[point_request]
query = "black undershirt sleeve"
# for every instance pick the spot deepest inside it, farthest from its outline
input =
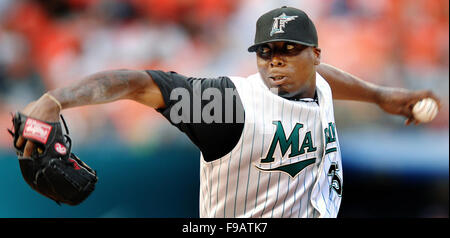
(201, 107)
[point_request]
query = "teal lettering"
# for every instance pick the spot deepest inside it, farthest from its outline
(280, 138)
(330, 133)
(307, 143)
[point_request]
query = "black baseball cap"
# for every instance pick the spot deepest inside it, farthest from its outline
(285, 24)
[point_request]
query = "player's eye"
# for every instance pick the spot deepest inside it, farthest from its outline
(290, 46)
(292, 49)
(264, 52)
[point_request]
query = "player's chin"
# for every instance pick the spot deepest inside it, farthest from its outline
(283, 92)
(282, 88)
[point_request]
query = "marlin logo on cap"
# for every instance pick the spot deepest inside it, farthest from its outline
(280, 22)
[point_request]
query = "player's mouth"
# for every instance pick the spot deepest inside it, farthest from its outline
(277, 80)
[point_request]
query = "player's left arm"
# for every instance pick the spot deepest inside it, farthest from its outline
(397, 101)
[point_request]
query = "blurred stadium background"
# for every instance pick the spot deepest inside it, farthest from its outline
(149, 169)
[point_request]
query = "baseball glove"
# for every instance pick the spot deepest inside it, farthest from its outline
(52, 170)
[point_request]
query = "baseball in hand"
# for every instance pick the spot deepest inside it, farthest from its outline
(425, 110)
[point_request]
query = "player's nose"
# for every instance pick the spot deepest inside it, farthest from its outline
(276, 61)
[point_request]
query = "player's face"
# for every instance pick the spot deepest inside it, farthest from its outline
(289, 67)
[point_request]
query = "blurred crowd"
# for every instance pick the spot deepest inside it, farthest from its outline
(46, 44)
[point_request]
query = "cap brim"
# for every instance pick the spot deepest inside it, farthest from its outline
(254, 47)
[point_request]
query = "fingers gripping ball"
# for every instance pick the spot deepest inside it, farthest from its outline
(52, 169)
(425, 110)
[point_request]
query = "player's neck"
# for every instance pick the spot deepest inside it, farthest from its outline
(301, 97)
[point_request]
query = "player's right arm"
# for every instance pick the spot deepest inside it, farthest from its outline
(109, 86)
(98, 88)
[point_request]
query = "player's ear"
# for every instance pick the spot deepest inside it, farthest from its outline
(317, 52)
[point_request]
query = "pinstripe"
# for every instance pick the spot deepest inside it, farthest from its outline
(310, 189)
(262, 150)
(251, 151)
(276, 198)
(279, 174)
(210, 187)
(304, 181)
(239, 172)
(217, 193)
(324, 199)
(226, 188)
(205, 192)
(321, 191)
(300, 200)
(304, 190)
(270, 166)
(312, 171)
(267, 193)
(298, 177)
(295, 197)
(289, 179)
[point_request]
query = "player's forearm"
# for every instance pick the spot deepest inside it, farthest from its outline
(103, 87)
(349, 87)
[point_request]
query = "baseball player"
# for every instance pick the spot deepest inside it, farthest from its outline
(269, 142)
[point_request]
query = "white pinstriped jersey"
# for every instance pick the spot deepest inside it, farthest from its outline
(287, 162)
